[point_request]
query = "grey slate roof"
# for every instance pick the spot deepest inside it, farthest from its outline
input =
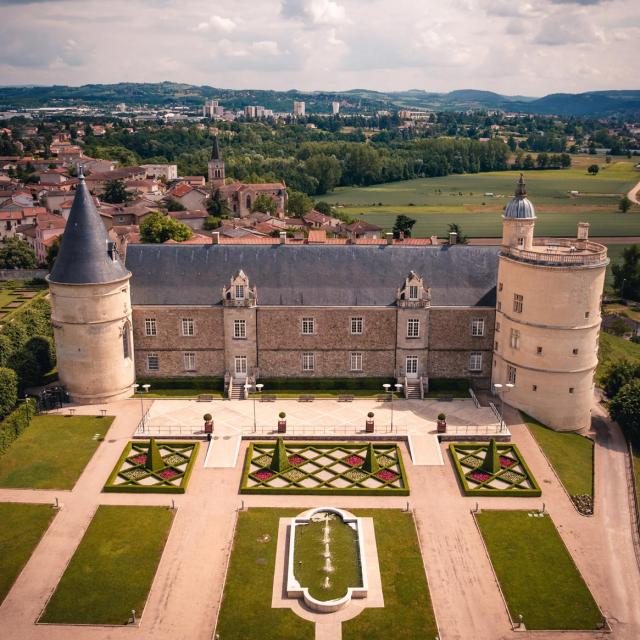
(312, 275)
(520, 206)
(83, 257)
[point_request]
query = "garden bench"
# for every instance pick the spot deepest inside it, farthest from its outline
(305, 399)
(345, 398)
(203, 397)
(445, 399)
(267, 398)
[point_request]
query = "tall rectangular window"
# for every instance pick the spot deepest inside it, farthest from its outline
(239, 292)
(240, 365)
(308, 361)
(239, 329)
(475, 361)
(515, 339)
(413, 292)
(187, 327)
(356, 361)
(518, 301)
(413, 328)
(477, 327)
(357, 325)
(150, 328)
(308, 326)
(511, 374)
(189, 361)
(153, 363)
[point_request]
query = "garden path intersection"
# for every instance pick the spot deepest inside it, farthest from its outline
(186, 591)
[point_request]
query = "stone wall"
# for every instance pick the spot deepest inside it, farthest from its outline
(22, 274)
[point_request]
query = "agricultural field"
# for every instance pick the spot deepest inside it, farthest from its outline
(475, 201)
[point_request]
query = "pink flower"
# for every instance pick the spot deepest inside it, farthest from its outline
(354, 461)
(386, 475)
(263, 474)
(296, 460)
(168, 474)
(139, 459)
(479, 476)
(505, 462)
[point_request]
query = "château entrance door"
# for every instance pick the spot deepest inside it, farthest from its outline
(411, 366)
(240, 366)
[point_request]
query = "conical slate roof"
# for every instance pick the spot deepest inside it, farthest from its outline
(83, 256)
(215, 150)
(520, 207)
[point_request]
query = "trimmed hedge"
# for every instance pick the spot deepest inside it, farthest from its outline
(15, 424)
(8, 390)
(449, 384)
(534, 492)
(201, 383)
(325, 384)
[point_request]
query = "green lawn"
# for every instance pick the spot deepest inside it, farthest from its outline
(611, 349)
(246, 612)
(179, 393)
(113, 567)
(407, 613)
(21, 527)
(536, 572)
(52, 452)
(570, 454)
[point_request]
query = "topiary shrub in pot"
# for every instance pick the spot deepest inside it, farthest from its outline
(442, 423)
(369, 423)
(282, 423)
(208, 423)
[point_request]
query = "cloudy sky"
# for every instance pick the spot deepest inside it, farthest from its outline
(510, 46)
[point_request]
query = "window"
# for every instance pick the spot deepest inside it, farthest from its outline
(240, 363)
(534, 387)
(150, 328)
(411, 365)
(413, 328)
(308, 326)
(539, 350)
(125, 341)
(187, 327)
(515, 339)
(517, 302)
(500, 286)
(153, 363)
(499, 306)
(511, 374)
(356, 361)
(521, 243)
(477, 327)
(239, 329)
(570, 389)
(308, 361)
(356, 326)
(413, 292)
(189, 361)
(497, 327)
(475, 361)
(496, 347)
(239, 292)
(575, 352)
(586, 314)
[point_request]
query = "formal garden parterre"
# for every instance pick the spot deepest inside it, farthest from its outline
(318, 468)
(150, 466)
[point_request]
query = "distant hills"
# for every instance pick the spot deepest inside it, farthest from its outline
(165, 94)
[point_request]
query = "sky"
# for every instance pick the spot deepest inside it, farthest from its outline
(515, 47)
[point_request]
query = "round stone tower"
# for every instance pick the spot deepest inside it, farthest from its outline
(547, 318)
(91, 309)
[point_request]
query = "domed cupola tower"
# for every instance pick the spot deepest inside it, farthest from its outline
(91, 309)
(547, 318)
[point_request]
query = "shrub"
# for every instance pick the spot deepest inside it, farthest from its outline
(8, 391)
(15, 424)
(442, 416)
(370, 414)
(625, 409)
(618, 375)
(207, 417)
(282, 415)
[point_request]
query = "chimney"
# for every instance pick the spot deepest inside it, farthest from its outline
(283, 237)
(216, 237)
(583, 230)
(401, 236)
(389, 236)
(434, 241)
(453, 237)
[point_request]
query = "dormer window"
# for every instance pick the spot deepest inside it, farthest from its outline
(413, 292)
(239, 292)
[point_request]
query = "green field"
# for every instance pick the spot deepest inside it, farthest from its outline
(611, 350)
(52, 452)
(436, 202)
(21, 527)
(113, 567)
(536, 572)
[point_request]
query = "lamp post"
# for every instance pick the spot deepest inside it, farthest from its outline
(257, 388)
(388, 389)
(146, 387)
(502, 389)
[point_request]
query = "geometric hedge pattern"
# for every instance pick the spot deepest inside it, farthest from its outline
(131, 473)
(318, 468)
(513, 477)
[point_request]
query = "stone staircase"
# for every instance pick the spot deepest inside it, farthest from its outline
(413, 390)
(237, 391)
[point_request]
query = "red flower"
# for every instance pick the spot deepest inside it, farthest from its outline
(505, 462)
(139, 459)
(386, 475)
(263, 474)
(168, 474)
(479, 476)
(296, 460)
(354, 461)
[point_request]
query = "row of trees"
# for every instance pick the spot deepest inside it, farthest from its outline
(622, 386)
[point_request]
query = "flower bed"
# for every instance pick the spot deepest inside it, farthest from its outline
(512, 478)
(320, 468)
(132, 475)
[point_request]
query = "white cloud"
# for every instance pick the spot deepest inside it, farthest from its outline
(315, 12)
(217, 24)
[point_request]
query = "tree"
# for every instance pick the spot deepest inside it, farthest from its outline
(403, 224)
(326, 170)
(158, 227)
(298, 203)
(175, 205)
(216, 206)
(528, 162)
(264, 204)
(52, 252)
(16, 254)
(323, 207)
(593, 169)
(115, 192)
(625, 409)
(8, 391)
(625, 204)
(626, 274)
(454, 227)
(618, 375)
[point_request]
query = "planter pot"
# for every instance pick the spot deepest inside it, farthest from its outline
(368, 426)
(282, 426)
(208, 426)
(442, 426)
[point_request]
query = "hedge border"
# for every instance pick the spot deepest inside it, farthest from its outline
(536, 492)
(109, 487)
(12, 427)
(283, 491)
